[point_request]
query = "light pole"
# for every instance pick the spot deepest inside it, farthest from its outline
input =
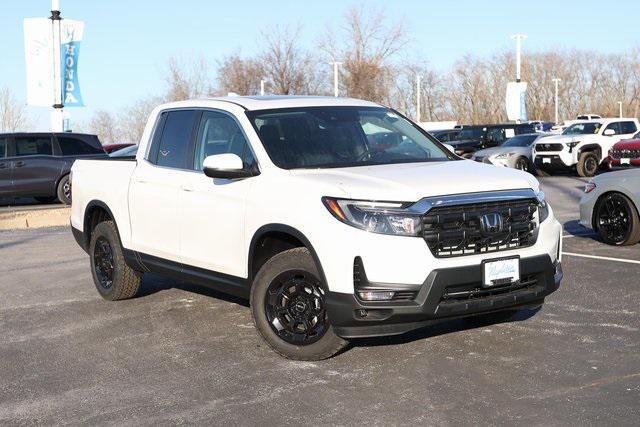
(620, 106)
(556, 81)
(518, 38)
(335, 77)
(418, 98)
(262, 82)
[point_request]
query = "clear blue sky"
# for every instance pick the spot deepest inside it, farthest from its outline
(127, 43)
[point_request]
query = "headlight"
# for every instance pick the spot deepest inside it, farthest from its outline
(589, 187)
(376, 217)
(504, 155)
(543, 207)
(571, 145)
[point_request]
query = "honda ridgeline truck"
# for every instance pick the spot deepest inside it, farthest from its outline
(337, 218)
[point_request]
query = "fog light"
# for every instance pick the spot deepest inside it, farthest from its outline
(376, 295)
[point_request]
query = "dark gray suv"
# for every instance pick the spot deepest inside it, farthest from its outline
(38, 164)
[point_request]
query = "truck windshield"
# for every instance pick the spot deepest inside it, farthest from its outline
(470, 133)
(582, 128)
(325, 137)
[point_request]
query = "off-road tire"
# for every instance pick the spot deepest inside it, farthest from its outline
(126, 281)
(63, 190)
(585, 162)
(298, 259)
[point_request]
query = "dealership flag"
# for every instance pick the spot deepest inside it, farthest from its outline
(39, 58)
(516, 101)
(38, 48)
(71, 33)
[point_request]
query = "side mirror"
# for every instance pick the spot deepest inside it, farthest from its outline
(450, 148)
(226, 166)
(609, 132)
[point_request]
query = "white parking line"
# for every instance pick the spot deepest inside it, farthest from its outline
(605, 258)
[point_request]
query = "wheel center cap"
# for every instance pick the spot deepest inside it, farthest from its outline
(299, 306)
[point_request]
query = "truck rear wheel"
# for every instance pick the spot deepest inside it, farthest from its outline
(288, 307)
(113, 278)
(587, 164)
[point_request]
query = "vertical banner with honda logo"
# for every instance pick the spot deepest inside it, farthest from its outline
(71, 33)
(40, 53)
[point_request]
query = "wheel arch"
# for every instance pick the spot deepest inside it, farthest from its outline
(591, 148)
(95, 212)
(256, 258)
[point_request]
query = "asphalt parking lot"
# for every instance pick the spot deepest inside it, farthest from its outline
(183, 354)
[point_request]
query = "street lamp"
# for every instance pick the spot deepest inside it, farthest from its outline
(262, 82)
(335, 77)
(556, 81)
(620, 107)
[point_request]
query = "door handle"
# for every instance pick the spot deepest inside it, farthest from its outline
(19, 164)
(186, 188)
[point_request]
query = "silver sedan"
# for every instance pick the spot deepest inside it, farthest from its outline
(516, 152)
(610, 206)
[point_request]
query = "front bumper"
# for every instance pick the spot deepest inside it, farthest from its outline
(353, 318)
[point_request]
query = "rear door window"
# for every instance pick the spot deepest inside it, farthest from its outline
(615, 126)
(175, 143)
(34, 146)
(74, 146)
(628, 127)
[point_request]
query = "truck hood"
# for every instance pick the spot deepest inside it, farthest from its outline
(413, 181)
(562, 139)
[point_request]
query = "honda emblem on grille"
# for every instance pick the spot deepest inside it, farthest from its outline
(491, 223)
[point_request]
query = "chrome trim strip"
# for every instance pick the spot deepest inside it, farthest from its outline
(423, 206)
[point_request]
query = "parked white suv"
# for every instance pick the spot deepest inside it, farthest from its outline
(583, 145)
(338, 218)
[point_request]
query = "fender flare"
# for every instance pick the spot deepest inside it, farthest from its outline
(286, 229)
(591, 148)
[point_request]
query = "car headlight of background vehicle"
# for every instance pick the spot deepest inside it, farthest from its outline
(543, 207)
(504, 155)
(375, 217)
(571, 145)
(589, 187)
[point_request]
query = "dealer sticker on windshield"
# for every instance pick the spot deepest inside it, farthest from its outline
(500, 272)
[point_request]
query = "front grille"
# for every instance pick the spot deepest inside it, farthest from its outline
(549, 147)
(456, 230)
(625, 154)
(475, 291)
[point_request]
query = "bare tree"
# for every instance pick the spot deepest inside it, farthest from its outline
(187, 80)
(13, 115)
(133, 119)
(103, 124)
(370, 44)
(239, 75)
(287, 67)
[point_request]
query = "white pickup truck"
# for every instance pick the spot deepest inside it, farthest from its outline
(584, 145)
(337, 218)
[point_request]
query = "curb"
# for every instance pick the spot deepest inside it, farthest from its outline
(25, 219)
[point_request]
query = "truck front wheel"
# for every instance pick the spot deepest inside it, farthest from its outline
(587, 164)
(113, 278)
(288, 307)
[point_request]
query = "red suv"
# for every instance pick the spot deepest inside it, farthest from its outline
(625, 152)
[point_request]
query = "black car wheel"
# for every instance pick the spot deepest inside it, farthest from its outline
(64, 190)
(288, 307)
(617, 221)
(113, 278)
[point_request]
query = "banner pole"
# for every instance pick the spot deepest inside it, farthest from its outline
(57, 113)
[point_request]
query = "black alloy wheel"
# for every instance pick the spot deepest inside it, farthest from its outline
(614, 219)
(295, 307)
(103, 263)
